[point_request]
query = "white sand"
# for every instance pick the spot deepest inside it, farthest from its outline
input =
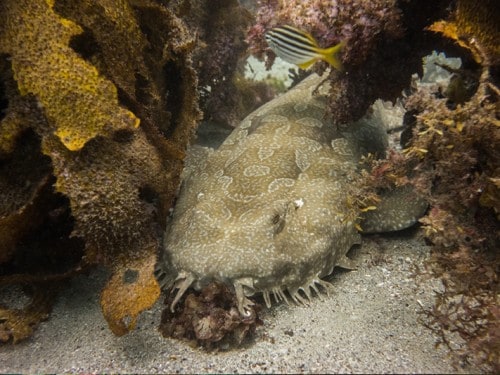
(369, 325)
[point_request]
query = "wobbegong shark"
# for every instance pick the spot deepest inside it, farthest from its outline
(271, 210)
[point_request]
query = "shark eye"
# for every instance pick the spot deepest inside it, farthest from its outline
(276, 219)
(281, 212)
(278, 222)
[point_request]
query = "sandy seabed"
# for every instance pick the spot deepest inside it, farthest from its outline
(369, 324)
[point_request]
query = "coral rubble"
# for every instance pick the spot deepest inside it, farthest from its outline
(209, 318)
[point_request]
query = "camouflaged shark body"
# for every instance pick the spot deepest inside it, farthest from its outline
(271, 209)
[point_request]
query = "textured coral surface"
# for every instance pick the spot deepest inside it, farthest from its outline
(98, 101)
(110, 107)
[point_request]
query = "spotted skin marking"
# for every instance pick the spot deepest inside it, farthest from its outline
(269, 211)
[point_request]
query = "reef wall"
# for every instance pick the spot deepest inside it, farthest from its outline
(98, 101)
(451, 141)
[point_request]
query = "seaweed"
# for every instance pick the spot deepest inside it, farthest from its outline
(209, 318)
(99, 101)
(454, 152)
(220, 55)
(384, 42)
(467, 307)
(451, 140)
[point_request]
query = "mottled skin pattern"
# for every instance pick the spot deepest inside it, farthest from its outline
(271, 210)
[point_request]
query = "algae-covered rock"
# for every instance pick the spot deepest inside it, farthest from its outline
(455, 153)
(44, 65)
(474, 26)
(383, 43)
(99, 100)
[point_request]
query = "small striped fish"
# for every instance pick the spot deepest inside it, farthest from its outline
(300, 48)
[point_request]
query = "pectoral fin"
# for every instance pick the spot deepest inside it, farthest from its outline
(398, 209)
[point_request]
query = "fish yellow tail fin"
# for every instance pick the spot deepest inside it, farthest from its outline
(307, 64)
(330, 56)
